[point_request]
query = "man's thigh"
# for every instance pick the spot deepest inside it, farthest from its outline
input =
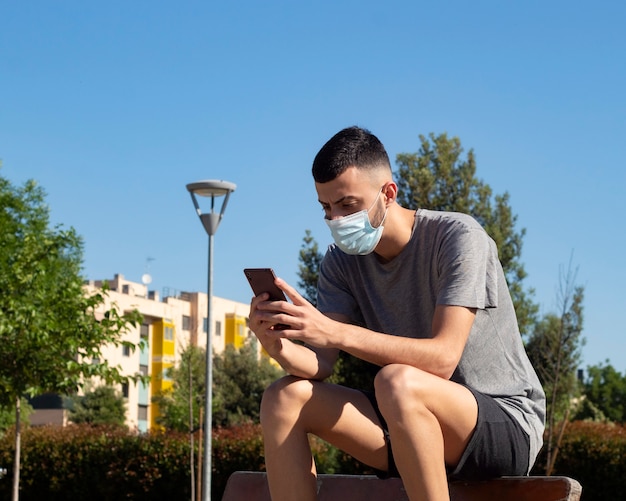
(452, 404)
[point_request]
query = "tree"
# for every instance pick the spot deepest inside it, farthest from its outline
(51, 332)
(605, 388)
(102, 405)
(554, 350)
(239, 379)
(187, 392)
(437, 178)
(7, 416)
(308, 270)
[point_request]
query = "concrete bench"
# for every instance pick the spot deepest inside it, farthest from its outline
(252, 486)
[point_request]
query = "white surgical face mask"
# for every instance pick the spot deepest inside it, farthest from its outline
(354, 233)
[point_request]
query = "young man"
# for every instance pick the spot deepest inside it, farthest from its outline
(421, 294)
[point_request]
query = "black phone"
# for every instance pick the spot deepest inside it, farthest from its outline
(262, 280)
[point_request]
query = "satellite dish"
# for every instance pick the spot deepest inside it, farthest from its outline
(146, 279)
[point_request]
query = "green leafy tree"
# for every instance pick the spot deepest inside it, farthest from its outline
(51, 332)
(605, 388)
(554, 348)
(179, 406)
(308, 270)
(437, 177)
(239, 379)
(7, 416)
(102, 405)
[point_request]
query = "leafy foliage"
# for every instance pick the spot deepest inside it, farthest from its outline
(239, 379)
(51, 332)
(235, 448)
(593, 454)
(554, 350)
(437, 178)
(605, 388)
(308, 270)
(188, 388)
(99, 463)
(50, 329)
(7, 416)
(99, 406)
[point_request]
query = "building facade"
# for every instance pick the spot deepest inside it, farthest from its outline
(169, 325)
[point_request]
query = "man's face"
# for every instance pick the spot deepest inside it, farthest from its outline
(351, 192)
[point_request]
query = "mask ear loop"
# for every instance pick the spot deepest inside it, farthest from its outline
(386, 208)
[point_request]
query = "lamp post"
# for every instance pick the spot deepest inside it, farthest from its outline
(210, 221)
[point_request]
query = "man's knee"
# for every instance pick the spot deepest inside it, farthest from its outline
(400, 388)
(283, 396)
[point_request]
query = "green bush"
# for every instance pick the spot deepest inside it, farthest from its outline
(595, 455)
(235, 448)
(103, 463)
(82, 462)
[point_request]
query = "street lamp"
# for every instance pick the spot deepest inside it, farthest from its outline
(210, 221)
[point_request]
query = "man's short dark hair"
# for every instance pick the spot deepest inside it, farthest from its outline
(350, 147)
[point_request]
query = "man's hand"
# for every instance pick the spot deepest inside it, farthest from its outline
(276, 322)
(299, 320)
(263, 328)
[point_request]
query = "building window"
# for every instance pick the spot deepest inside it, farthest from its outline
(125, 289)
(218, 328)
(169, 333)
(143, 370)
(144, 330)
(186, 322)
(142, 412)
(205, 323)
(126, 350)
(125, 390)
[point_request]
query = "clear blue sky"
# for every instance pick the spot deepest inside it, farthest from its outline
(113, 107)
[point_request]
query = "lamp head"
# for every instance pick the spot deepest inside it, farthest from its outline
(213, 189)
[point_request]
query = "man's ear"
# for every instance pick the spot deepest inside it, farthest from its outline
(390, 190)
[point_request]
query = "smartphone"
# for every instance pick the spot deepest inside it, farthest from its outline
(262, 280)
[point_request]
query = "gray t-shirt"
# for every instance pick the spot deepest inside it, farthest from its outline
(449, 260)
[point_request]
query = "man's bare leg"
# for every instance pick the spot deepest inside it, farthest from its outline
(431, 421)
(291, 409)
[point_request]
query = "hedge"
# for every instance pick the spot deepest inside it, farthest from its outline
(595, 455)
(80, 462)
(103, 463)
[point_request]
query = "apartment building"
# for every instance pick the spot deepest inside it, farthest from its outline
(169, 325)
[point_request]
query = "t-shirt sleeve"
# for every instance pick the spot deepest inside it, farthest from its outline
(333, 293)
(468, 268)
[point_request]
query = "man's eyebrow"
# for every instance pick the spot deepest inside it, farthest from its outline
(341, 200)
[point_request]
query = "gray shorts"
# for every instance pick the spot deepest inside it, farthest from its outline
(499, 446)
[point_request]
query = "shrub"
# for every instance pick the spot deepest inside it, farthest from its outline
(594, 454)
(103, 463)
(235, 448)
(84, 462)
